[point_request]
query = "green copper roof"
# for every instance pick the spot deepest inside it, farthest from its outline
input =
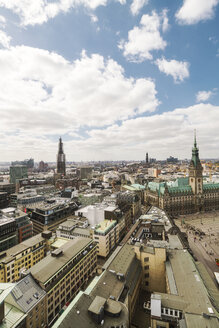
(180, 185)
(195, 155)
(180, 182)
(157, 187)
(207, 186)
(182, 189)
(138, 186)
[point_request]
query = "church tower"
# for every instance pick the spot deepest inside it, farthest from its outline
(195, 171)
(61, 158)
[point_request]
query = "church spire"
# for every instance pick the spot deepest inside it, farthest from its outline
(195, 143)
(60, 158)
(195, 153)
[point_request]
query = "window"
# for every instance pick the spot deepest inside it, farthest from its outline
(146, 259)
(146, 275)
(146, 283)
(146, 267)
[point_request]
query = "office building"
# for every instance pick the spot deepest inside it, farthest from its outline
(130, 197)
(18, 172)
(21, 257)
(29, 163)
(8, 232)
(62, 273)
(7, 187)
(48, 215)
(106, 234)
(110, 300)
(191, 299)
(23, 223)
(4, 199)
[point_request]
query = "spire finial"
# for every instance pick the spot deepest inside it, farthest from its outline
(195, 143)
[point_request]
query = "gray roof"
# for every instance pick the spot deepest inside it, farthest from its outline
(81, 231)
(79, 315)
(123, 260)
(26, 294)
(188, 282)
(107, 291)
(47, 267)
(24, 245)
(198, 321)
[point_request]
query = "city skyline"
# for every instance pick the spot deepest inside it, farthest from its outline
(113, 79)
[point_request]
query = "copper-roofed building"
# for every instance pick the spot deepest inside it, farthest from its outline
(185, 195)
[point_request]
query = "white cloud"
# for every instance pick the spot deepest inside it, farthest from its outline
(2, 21)
(203, 95)
(145, 38)
(44, 94)
(213, 39)
(179, 70)
(194, 11)
(170, 133)
(33, 12)
(165, 25)
(93, 18)
(4, 39)
(137, 5)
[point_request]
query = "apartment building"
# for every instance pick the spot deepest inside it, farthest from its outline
(62, 273)
(20, 257)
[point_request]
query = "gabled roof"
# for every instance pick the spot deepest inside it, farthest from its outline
(26, 294)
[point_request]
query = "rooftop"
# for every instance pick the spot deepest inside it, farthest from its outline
(26, 294)
(188, 283)
(44, 270)
(123, 260)
(105, 226)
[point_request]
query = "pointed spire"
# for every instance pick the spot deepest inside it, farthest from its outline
(195, 143)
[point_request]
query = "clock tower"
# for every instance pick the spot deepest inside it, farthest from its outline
(195, 171)
(196, 178)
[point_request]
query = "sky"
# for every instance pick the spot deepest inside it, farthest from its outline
(114, 78)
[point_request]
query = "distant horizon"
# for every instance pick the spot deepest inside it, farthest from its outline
(112, 161)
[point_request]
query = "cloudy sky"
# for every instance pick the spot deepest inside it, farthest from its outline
(114, 78)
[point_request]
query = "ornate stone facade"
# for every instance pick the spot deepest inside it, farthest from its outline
(185, 195)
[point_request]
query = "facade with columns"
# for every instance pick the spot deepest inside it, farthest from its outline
(185, 195)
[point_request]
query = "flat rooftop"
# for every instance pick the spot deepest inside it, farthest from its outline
(188, 283)
(105, 225)
(123, 260)
(49, 266)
